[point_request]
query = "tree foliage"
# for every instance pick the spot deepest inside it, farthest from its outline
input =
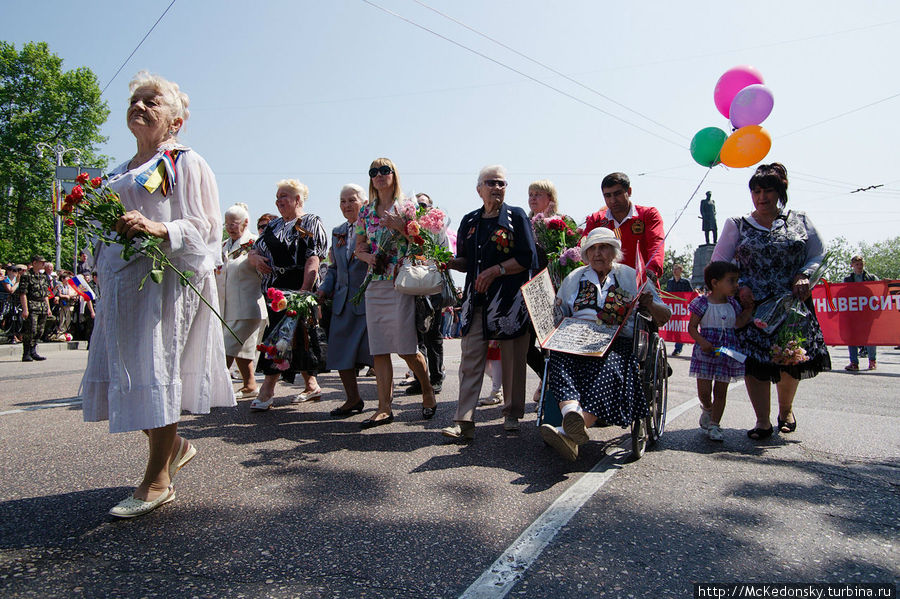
(882, 258)
(39, 102)
(685, 258)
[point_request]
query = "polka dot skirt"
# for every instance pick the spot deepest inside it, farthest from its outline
(609, 387)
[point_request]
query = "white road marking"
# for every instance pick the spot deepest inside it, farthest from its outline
(74, 402)
(500, 578)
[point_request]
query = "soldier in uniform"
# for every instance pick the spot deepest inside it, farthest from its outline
(33, 294)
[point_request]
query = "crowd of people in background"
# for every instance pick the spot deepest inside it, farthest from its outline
(158, 352)
(66, 316)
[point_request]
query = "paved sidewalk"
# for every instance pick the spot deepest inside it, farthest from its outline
(8, 350)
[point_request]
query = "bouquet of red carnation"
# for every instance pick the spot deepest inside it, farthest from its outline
(95, 209)
(300, 307)
(559, 236)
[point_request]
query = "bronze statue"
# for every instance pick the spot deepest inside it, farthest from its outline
(708, 214)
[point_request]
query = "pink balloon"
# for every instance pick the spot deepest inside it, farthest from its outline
(733, 81)
(751, 105)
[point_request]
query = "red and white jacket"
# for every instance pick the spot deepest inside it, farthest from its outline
(642, 223)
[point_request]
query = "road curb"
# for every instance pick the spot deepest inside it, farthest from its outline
(15, 349)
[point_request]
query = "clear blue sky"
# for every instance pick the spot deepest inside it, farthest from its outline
(316, 89)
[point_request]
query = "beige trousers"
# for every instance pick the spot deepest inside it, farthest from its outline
(513, 354)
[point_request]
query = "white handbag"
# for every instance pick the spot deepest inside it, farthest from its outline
(418, 277)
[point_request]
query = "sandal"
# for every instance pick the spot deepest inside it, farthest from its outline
(257, 405)
(787, 427)
(304, 396)
(758, 434)
(186, 452)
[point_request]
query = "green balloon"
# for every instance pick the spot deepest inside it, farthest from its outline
(707, 144)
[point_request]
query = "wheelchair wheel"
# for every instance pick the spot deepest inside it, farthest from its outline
(656, 421)
(639, 438)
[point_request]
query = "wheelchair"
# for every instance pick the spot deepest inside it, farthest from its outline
(650, 351)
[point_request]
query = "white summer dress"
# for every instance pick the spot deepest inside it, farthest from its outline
(158, 351)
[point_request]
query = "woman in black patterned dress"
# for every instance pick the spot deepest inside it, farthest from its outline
(777, 250)
(287, 255)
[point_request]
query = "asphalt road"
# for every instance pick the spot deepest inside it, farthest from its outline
(290, 503)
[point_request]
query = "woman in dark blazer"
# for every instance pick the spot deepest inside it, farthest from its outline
(348, 339)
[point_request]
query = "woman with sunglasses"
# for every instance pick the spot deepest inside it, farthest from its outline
(495, 248)
(390, 316)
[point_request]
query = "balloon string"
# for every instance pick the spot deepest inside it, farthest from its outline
(688, 203)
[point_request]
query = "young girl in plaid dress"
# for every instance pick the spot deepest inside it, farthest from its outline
(714, 318)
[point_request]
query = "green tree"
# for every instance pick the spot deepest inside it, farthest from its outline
(882, 258)
(685, 258)
(39, 102)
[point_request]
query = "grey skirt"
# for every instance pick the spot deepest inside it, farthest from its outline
(348, 341)
(250, 331)
(391, 320)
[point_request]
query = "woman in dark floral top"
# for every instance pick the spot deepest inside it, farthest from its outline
(495, 248)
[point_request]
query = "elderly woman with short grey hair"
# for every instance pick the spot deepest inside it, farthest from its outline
(241, 302)
(495, 248)
(348, 339)
(158, 350)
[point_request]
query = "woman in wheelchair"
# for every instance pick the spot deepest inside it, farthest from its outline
(591, 388)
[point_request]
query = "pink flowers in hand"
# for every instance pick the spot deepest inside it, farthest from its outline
(277, 301)
(571, 255)
(433, 221)
(412, 228)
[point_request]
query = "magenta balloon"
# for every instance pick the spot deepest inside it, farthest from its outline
(733, 81)
(751, 105)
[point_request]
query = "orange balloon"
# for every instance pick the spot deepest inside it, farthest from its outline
(745, 147)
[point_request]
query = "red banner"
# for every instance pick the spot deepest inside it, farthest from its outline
(859, 313)
(676, 330)
(849, 313)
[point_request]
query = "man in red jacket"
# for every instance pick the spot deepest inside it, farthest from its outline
(631, 224)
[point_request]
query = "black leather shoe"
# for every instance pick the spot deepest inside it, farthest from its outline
(415, 388)
(369, 423)
(437, 386)
(27, 358)
(344, 412)
(428, 413)
(35, 356)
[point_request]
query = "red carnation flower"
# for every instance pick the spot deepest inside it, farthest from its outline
(96, 182)
(69, 222)
(557, 224)
(83, 178)
(77, 192)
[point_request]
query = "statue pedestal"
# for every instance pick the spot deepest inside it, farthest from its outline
(702, 257)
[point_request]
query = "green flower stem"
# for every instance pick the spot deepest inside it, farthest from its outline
(159, 256)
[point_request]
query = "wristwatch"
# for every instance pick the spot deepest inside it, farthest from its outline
(502, 270)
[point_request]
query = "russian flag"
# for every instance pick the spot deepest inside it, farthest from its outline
(81, 287)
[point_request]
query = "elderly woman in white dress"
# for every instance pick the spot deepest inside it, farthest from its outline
(241, 302)
(158, 350)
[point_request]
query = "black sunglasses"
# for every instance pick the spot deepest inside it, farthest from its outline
(494, 183)
(380, 170)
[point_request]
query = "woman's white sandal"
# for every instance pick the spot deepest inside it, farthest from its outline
(257, 405)
(132, 507)
(185, 454)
